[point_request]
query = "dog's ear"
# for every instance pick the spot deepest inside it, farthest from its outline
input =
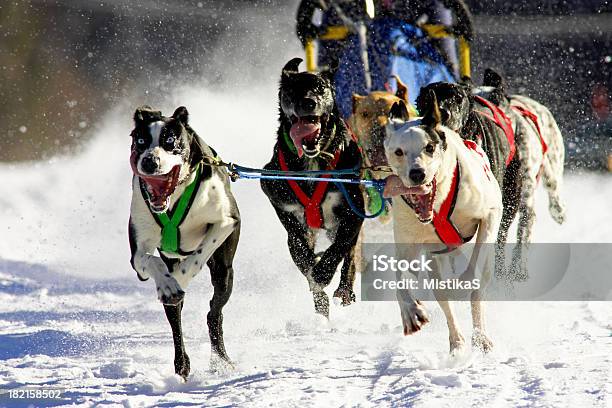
(493, 79)
(181, 115)
(467, 83)
(329, 75)
(402, 89)
(146, 114)
(332, 68)
(398, 112)
(422, 101)
(432, 116)
(356, 100)
(292, 67)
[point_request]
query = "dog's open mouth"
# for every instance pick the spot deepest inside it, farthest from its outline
(422, 201)
(305, 133)
(160, 188)
(420, 198)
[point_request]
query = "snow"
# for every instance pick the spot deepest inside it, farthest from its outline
(73, 314)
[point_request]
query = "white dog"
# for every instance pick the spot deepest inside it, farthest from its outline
(541, 152)
(444, 192)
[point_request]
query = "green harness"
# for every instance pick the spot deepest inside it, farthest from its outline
(170, 235)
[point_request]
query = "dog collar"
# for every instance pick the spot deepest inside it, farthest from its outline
(170, 222)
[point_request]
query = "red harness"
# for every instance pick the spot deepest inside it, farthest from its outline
(312, 205)
(445, 229)
(443, 226)
(501, 120)
(527, 114)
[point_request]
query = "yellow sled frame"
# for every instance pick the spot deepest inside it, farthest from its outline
(338, 33)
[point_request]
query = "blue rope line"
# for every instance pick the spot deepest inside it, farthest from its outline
(379, 185)
(315, 175)
(355, 171)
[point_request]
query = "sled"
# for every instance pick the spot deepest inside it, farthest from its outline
(372, 53)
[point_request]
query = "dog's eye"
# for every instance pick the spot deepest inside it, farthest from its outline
(399, 152)
(430, 148)
(140, 141)
(170, 140)
(365, 114)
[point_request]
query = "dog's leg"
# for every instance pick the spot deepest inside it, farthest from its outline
(414, 316)
(530, 154)
(479, 337)
(299, 241)
(347, 279)
(222, 275)
(552, 175)
(482, 260)
(181, 360)
(527, 215)
(301, 248)
(456, 339)
(323, 271)
(213, 238)
(511, 197)
(146, 265)
(344, 242)
(413, 313)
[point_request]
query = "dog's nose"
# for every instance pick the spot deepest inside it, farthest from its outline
(149, 164)
(417, 175)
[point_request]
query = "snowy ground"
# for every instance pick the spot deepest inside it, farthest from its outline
(73, 314)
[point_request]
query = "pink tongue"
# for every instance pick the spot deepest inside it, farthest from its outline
(395, 187)
(161, 186)
(303, 131)
(422, 205)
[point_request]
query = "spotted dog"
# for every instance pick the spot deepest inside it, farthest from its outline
(541, 151)
(444, 193)
(312, 136)
(183, 216)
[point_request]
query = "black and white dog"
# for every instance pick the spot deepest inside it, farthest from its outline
(312, 135)
(484, 123)
(183, 209)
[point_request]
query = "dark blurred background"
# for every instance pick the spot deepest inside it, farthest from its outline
(64, 63)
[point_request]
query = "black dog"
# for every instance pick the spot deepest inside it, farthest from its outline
(312, 135)
(183, 210)
(483, 122)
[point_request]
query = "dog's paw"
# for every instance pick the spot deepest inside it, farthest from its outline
(169, 292)
(321, 303)
(481, 341)
(457, 344)
(557, 212)
(518, 271)
(414, 317)
(182, 366)
(346, 296)
(221, 364)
